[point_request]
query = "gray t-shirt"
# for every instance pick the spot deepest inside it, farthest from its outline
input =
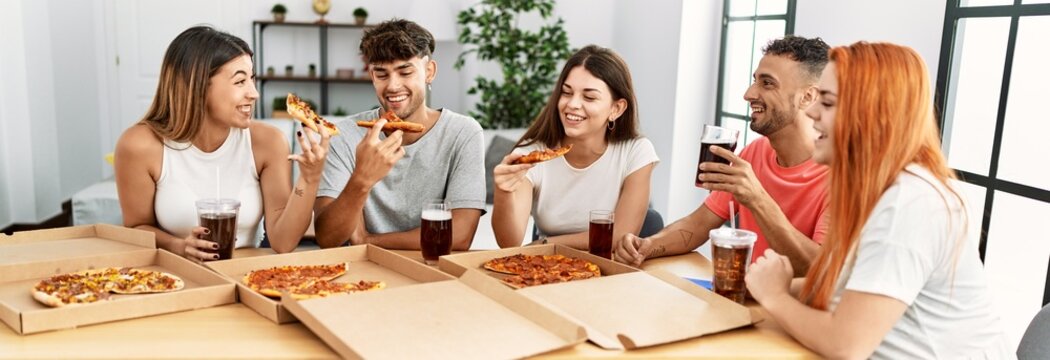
(446, 163)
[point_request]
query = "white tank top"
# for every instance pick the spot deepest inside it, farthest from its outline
(188, 174)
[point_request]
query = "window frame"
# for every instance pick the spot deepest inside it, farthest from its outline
(991, 183)
(789, 29)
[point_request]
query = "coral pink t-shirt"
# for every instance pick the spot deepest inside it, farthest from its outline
(800, 190)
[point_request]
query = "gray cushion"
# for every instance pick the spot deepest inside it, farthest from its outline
(1033, 344)
(499, 148)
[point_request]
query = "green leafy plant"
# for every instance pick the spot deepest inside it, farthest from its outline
(339, 111)
(279, 9)
(360, 12)
(529, 59)
(280, 103)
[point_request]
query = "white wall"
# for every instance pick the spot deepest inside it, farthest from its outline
(16, 155)
(651, 50)
(76, 111)
(918, 24)
(694, 102)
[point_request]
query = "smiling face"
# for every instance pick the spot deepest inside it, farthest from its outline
(231, 93)
(823, 114)
(586, 105)
(775, 94)
(401, 85)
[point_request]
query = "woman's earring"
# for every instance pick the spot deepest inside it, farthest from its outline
(612, 125)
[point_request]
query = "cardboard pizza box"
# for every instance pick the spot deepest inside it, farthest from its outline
(26, 258)
(469, 318)
(367, 262)
(624, 309)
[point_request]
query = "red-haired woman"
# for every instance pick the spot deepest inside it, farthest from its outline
(898, 275)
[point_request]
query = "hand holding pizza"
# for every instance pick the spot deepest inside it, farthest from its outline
(506, 176)
(193, 246)
(311, 160)
(375, 157)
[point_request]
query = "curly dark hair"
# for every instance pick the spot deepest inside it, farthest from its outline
(811, 53)
(396, 39)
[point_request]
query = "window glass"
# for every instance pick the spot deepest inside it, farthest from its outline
(1016, 260)
(1024, 148)
(973, 100)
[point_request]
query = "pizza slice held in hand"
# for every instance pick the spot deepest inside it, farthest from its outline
(300, 110)
(539, 156)
(393, 122)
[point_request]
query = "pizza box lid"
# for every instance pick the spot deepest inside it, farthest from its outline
(203, 288)
(367, 262)
(57, 245)
(625, 308)
(469, 318)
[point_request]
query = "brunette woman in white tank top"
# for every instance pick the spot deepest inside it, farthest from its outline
(198, 128)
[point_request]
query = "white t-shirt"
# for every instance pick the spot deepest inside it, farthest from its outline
(563, 196)
(906, 252)
(187, 174)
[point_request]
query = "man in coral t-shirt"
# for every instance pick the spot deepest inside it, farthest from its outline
(779, 191)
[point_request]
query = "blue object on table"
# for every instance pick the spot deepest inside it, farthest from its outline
(706, 284)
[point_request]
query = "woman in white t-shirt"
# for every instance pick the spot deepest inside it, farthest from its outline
(198, 141)
(899, 276)
(593, 109)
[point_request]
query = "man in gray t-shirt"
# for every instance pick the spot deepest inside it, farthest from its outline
(375, 182)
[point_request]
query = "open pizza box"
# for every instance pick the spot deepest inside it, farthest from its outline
(469, 318)
(28, 257)
(623, 309)
(367, 262)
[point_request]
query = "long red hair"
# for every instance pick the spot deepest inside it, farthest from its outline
(884, 122)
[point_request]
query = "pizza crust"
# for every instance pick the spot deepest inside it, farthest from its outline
(532, 270)
(48, 299)
(538, 156)
(392, 126)
(300, 110)
(97, 284)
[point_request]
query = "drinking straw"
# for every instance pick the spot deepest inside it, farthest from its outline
(732, 216)
(217, 182)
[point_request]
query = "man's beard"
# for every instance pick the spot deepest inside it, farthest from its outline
(775, 121)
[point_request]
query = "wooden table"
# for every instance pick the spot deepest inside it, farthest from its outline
(236, 331)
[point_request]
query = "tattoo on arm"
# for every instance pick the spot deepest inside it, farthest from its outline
(299, 192)
(657, 252)
(686, 237)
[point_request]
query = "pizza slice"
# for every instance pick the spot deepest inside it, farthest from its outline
(96, 285)
(532, 270)
(393, 122)
(300, 110)
(305, 281)
(512, 265)
(321, 288)
(70, 289)
(542, 155)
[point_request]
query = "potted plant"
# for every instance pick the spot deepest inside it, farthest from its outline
(312, 70)
(270, 72)
(360, 15)
(339, 111)
(288, 71)
(280, 108)
(278, 12)
(529, 59)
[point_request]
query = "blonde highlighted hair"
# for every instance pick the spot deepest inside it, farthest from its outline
(884, 93)
(197, 54)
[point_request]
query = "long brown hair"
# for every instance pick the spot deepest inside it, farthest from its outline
(604, 64)
(191, 59)
(884, 93)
